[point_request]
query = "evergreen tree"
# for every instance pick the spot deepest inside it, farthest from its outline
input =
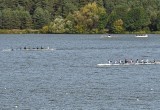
(40, 18)
(2, 4)
(16, 19)
(153, 24)
(7, 19)
(26, 20)
(158, 22)
(137, 19)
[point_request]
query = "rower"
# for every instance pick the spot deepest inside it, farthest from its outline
(125, 61)
(131, 61)
(120, 61)
(109, 62)
(137, 61)
(142, 61)
(147, 61)
(154, 61)
(109, 35)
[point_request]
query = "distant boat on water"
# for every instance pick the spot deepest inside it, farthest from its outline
(30, 49)
(109, 36)
(141, 35)
(106, 36)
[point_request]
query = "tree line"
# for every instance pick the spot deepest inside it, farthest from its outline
(81, 16)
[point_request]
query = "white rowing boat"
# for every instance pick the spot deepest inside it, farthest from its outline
(125, 64)
(144, 35)
(107, 64)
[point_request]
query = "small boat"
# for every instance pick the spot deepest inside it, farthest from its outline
(143, 35)
(106, 36)
(109, 36)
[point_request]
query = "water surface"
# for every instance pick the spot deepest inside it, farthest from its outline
(68, 78)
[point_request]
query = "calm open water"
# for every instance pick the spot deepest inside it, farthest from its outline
(68, 78)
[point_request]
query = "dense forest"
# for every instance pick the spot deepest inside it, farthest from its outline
(81, 16)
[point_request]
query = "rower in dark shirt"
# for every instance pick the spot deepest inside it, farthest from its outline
(125, 61)
(137, 61)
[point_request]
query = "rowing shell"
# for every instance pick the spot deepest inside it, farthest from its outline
(107, 64)
(38, 49)
(8, 50)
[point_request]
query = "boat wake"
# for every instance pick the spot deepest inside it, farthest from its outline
(6, 50)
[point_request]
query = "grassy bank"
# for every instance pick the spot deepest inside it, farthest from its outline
(18, 31)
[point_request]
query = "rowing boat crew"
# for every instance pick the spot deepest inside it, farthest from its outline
(25, 48)
(131, 61)
(34, 48)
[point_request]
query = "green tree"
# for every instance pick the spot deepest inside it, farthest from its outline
(158, 22)
(89, 18)
(45, 29)
(111, 19)
(57, 26)
(2, 4)
(7, 19)
(1, 20)
(120, 12)
(118, 26)
(26, 4)
(69, 24)
(26, 20)
(153, 24)
(141, 14)
(69, 7)
(102, 23)
(15, 19)
(40, 18)
(137, 19)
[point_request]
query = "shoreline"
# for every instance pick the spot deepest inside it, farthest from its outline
(34, 31)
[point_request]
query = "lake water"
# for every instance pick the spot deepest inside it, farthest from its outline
(68, 78)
